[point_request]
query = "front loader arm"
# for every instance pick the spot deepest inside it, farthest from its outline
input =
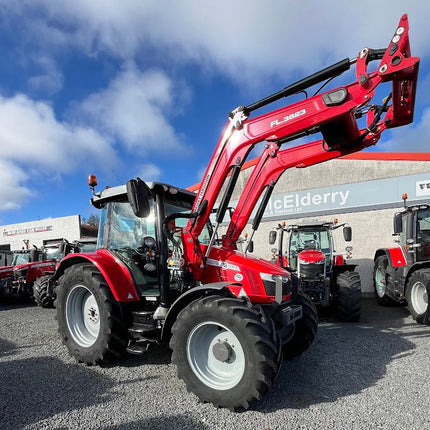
(333, 114)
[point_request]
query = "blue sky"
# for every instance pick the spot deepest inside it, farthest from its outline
(142, 88)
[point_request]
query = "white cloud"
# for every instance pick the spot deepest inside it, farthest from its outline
(150, 172)
(133, 108)
(33, 142)
(13, 192)
(31, 135)
(243, 39)
(50, 80)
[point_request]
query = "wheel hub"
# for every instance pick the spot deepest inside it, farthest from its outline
(93, 315)
(82, 316)
(216, 355)
(222, 351)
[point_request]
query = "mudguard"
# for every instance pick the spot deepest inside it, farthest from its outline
(396, 256)
(115, 273)
(219, 288)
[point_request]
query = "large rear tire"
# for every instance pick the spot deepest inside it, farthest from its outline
(305, 329)
(417, 294)
(381, 281)
(348, 297)
(41, 292)
(226, 351)
(89, 318)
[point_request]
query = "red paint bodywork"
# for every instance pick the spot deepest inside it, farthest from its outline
(5, 271)
(397, 256)
(232, 266)
(312, 256)
(113, 270)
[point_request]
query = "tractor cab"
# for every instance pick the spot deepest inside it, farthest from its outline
(412, 226)
(140, 242)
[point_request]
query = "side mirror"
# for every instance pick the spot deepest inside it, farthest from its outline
(250, 247)
(138, 194)
(347, 233)
(272, 237)
(397, 223)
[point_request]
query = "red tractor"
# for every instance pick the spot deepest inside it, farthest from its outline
(18, 258)
(402, 274)
(322, 272)
(26, 267)
(30, 269)
(159, 274)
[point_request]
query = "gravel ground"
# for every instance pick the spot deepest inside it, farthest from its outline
(371, 375)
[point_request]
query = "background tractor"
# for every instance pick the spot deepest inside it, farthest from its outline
(402, 273)
(27, 266)
(322, 272)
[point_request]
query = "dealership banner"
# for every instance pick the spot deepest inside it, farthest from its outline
(353, 196)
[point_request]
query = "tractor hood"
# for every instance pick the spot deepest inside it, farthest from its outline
(311, 256)
(248, 275)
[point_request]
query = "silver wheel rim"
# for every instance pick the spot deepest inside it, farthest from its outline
(419, 298)
(380, 282)
(217, 374)
(82, 316)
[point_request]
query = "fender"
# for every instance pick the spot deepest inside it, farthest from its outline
(114, 272)
(396, 256)
(216, 288)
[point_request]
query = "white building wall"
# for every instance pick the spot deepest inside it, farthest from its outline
(34, 232)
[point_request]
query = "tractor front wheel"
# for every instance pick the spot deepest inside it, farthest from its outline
(305, 329)
(348, 296)
(89, 318)
(381, 281)
(226, 351)
(417, 296)
(41, 292)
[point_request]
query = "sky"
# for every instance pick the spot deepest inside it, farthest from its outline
(142, 88)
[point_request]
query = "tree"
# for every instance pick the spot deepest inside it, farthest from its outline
(93, 219)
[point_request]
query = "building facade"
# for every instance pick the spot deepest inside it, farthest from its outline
(33, 233)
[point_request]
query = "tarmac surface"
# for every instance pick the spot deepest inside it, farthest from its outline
(369, 375)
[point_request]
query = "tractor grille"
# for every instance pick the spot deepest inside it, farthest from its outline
(312, 271)
(270, 287)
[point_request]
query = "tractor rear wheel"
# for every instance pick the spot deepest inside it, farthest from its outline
(417, 295)
(305, 329)
(381, 281)
(41, 293)
(89, 318)
(348, 296)
(227, 352)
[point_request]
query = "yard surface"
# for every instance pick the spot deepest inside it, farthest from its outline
(370, 375)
